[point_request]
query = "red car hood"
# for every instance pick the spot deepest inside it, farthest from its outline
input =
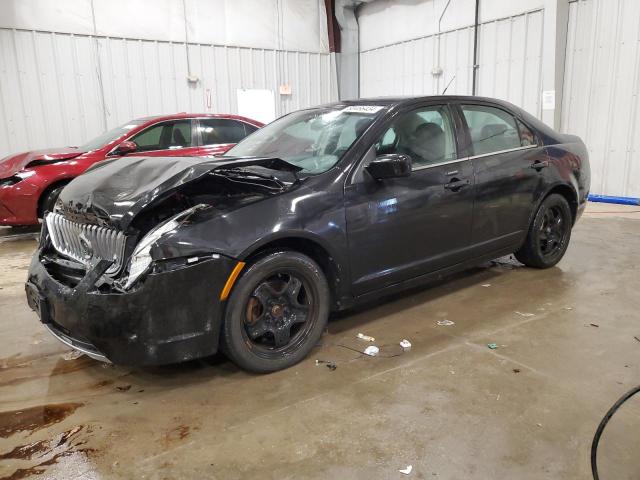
(14, 163)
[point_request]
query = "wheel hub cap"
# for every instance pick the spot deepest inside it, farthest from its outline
(277, 310)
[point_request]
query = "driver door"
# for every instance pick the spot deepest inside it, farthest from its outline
(401, 228)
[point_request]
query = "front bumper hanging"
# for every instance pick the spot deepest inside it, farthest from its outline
(168, 317)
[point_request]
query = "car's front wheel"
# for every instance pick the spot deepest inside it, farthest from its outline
(49, 200)
(549, 234)
(277, 312)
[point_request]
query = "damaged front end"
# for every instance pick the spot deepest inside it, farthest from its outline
(108, 277)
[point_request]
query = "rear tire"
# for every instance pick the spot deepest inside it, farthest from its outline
(276, 313)
(549, 234)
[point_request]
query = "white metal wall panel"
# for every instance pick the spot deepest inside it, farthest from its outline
(295, 25)
(510, 59)
(601, 101)
(51, 93)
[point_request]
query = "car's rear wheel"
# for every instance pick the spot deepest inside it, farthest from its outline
(549, 234)
(277, 312)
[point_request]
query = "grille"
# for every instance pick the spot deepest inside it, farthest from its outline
(86, 243)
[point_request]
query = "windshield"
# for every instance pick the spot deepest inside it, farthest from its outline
(111, 135)
(311, 139)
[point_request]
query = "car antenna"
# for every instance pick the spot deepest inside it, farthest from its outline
(448, 84)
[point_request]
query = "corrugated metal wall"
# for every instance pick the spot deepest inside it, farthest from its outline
(601, 87)
(62, 89)
(510, 59)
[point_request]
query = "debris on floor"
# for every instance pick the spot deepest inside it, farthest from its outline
(595, 325)
(516, 370)
(445, 323)
(371, 350)
(72, 355)
(405, 344)
(374, 351)
(124, 388)
(485, 285)
(406, 470)
(330, 365)
(492, 346)
(524, 314)
(638, 339)
(366, 338)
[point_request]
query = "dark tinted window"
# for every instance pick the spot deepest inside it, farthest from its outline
(217, 130)
(491, 129)
(426, 135)
(250, 128)
(164, 136)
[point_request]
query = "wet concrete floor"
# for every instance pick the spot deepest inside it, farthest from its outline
(450, 407)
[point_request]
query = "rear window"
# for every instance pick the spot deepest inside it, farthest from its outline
(214, 131)
(491, 129)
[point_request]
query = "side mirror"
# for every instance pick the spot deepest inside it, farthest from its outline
(390, 166)
(126, 147)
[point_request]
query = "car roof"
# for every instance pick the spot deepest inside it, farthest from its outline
(180, 115)
(400, 100)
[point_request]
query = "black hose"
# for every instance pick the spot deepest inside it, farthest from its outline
(603, 423)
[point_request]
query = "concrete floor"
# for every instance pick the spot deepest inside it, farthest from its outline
(450, 407)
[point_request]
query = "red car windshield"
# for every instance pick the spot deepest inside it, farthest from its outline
(108, 137)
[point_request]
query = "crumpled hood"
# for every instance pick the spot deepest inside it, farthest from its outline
(14, 163)
(115, 191)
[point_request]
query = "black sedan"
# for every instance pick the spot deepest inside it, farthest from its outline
(159, 260)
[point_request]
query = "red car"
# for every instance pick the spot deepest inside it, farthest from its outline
(30, 182)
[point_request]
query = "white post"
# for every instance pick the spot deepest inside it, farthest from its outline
(554, 44)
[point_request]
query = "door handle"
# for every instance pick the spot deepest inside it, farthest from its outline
(456, 184)
(539, 165)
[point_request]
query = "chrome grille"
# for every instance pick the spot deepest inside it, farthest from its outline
(86, 243)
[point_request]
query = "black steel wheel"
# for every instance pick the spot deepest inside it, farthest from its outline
(549, 234)
(276, 313)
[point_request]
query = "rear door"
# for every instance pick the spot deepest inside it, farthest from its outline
(171, 138)
(507, 161)
(401, 228)
(217, 135)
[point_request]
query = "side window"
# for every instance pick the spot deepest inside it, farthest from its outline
(149, 139)
(491, 129)
(527, 137)
(164, 136)
(180, 135)
(426, 135)
(249, 129)
(218, 130)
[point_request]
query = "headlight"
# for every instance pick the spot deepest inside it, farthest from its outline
(7, 182)
(18, 177)
(141, 257)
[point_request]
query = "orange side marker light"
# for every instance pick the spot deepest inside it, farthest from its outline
(231, 280)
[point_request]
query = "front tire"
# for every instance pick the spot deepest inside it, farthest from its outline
(49, 200)
(549, 234)
(276, 313)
